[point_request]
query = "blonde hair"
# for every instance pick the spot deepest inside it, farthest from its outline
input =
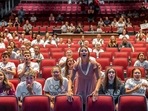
(30, 73)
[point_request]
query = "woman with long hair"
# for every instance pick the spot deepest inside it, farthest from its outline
(67, 70)
(55, 85)
(142, 62)
(112, 85)
(6, 88)
(86, 75)
(113, 42)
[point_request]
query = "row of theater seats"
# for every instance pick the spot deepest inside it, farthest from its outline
(103, 103)
(50, 27)
(107, 8)
(40, 8)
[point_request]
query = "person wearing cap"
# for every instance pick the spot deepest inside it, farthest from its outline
(7, 67)
(28, 87)
(28, 65)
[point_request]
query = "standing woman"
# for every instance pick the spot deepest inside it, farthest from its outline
(6, 88)
(111, 85)
(55, 85)
(86, 73)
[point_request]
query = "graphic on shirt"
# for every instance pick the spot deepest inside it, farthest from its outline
(55, 89)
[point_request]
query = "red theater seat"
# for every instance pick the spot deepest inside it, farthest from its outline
(36, 103)
(62, 104)
(8, 103)
(132, 103)
(103, 103)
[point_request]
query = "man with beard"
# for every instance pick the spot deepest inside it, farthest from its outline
(126, 44)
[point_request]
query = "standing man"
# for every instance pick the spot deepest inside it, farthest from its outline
(21, 14)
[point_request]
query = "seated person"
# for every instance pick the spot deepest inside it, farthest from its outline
(112, 85)
(67, 70)
(7, 67)
(6, 88)
(142, 62)
(28, 87)
(33, 18)
(59, 18)
(28, 65)
(27, 27)
(98, 49)
(37, 56)
(98, 39)
(136, 85)
(126, 44)
(58, 83)
(124, 34)
(86, 44)
(68, 54)
(113, 42)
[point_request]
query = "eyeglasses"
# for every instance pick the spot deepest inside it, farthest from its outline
(113, 72)
(137, 73)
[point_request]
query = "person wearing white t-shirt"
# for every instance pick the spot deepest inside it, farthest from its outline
(22, 38)
(142, 62)
(136, 85)
(55, 85)
(98, 49)
(98, 39)
(2, 44)
(23, 68)
(8, 35)
(37, 41)
(28, 87)
(124, 34)
(68, 54)
(86, 44)
(9, 68)
(37, 56)
(50, 41)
